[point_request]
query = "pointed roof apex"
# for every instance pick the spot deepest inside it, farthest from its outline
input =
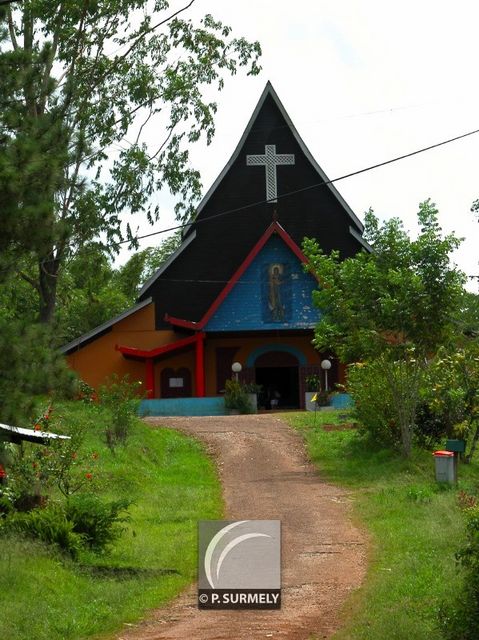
(270, 91)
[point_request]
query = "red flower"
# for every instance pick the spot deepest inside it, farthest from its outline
(37, 427)
(88, 476)
(3, 473)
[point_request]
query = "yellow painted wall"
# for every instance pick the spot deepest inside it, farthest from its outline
(99, 359)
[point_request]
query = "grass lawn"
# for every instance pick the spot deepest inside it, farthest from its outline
(415, 528)
(173, 484)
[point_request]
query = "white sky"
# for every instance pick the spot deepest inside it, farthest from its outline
(364, 81)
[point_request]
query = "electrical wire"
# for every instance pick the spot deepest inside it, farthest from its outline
(296, 191)
(303, 189)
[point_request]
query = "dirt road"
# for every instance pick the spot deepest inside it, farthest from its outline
(266, 475)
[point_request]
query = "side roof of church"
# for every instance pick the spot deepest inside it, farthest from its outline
(214, 245)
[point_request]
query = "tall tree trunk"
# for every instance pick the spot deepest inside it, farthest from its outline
(404, 377)
(48, 279)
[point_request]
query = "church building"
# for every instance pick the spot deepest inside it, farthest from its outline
(236, 289)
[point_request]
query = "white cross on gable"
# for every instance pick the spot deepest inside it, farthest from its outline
(270, 160)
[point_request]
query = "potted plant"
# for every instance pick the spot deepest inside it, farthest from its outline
(236, 398)
(253, 390)
(322, 400)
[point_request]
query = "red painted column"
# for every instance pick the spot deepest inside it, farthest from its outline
(150, 378)
(200, 365)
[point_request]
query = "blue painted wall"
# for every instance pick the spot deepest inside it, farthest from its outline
(341, 401)
(210, 406)
(183, 407)
(274, 346)
(248, 305)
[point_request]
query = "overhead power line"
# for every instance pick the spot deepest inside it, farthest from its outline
(303, 189)
(290, 193)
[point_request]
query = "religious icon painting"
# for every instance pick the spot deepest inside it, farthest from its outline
(276, 290)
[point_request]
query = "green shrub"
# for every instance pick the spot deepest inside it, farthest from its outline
(252, 387)
(322, 398)
(236, 398)
(97, 522)
(313, 382)
(453, 393)
(33, 471)
(386, 392)
(373, 402)
(49, 525)
(460, 619)
(431, 426)
(121, 397)
(29, 476)
(7, 500)
(84, 521)
(85, 392)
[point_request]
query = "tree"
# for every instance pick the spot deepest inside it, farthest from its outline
(395, 305)
(81, 83)
(18, 300)
(87, 294)
(142, 265)
(91, 291)
(468, 315)
(28, 366)
(453, 391)
(402, 295)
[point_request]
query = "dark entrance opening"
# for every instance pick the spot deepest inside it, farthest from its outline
(279, 384)
(278, 373)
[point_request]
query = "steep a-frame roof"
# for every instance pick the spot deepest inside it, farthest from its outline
(187, 285)
(166, 264)
(322, 177)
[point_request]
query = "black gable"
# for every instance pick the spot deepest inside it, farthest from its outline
(214, 249)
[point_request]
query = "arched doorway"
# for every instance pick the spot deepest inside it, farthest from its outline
(278, 374)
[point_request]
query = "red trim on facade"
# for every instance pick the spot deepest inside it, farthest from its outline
(274, 227)
(185, 324)
(142, 354)
(150, 378)
(200, 365)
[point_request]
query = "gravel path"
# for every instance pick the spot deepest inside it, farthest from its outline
(265, 474)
